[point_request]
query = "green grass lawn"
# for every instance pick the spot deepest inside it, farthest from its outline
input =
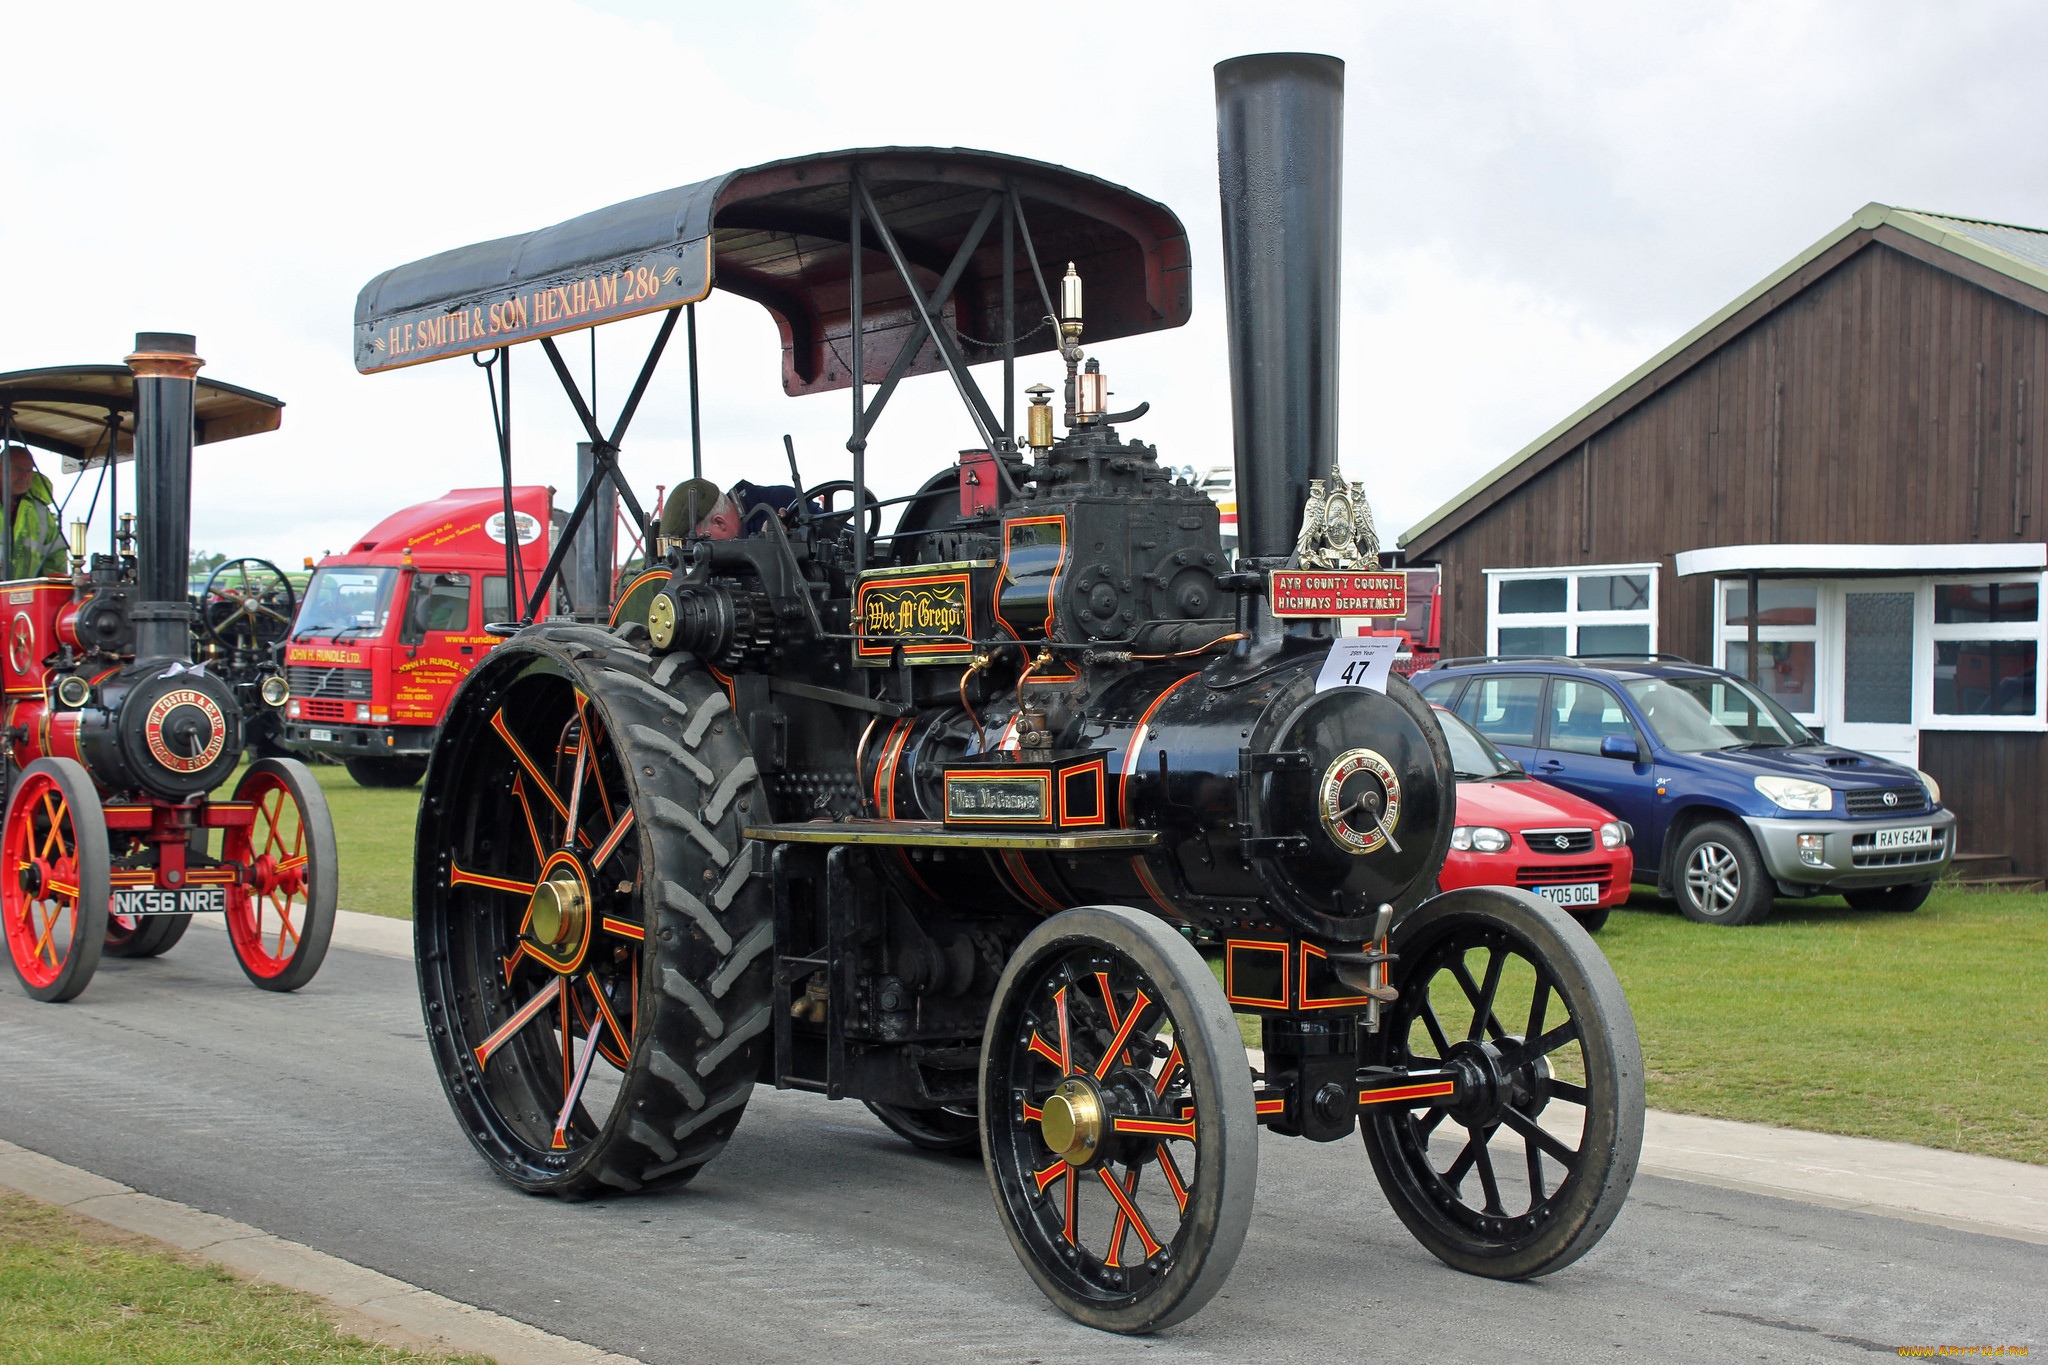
(1920, 1028)
(75, 1292)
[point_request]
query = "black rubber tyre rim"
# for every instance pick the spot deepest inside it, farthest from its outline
(1120, 1001)
(1541, 1154)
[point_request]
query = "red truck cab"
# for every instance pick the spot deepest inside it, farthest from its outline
(388, 629)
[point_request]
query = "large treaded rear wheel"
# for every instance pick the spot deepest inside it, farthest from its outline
(611, 1047)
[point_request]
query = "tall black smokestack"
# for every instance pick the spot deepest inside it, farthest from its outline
(165, 365)
(1280, 160)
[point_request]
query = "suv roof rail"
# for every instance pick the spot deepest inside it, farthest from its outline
(1580, 660)
(1505, 659)
(1648, 658)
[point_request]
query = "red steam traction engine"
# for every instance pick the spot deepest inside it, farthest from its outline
(116, 734)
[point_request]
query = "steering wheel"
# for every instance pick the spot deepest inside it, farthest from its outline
(825, 492)
(248, 604)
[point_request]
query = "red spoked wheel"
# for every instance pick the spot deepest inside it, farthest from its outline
(54, 878)
(281, 915)
(1117, 1119)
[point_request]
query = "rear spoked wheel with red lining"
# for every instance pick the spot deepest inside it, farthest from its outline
(595, 952)
(281, 916)
(54, 878)
(1117, 1120)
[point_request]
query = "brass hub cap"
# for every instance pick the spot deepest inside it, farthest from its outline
(1072, 1122)
(558, 914)
(558, 910)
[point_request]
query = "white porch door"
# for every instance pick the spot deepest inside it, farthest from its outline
(1872, 702)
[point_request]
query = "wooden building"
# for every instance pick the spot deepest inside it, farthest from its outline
(1853, 440)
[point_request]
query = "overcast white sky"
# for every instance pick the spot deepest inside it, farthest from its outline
(1538, 196)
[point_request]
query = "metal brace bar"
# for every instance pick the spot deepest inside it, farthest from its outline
(913, 343)
(956, 364)
(603, 454)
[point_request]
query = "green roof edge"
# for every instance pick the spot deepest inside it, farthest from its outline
(1919, 223)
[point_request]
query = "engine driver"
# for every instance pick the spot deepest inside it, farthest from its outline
(38, 540)
(732, 512)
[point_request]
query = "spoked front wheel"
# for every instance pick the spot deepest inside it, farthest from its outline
(1517, 1163)
(281, 915)
(1117, 1120)
(54, 877)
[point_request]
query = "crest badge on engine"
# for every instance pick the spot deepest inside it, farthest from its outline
(1336, 570)
(1360, 800)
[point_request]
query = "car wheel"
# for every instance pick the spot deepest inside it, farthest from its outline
(1591, 920)
(1901, 899)
(1721, 877)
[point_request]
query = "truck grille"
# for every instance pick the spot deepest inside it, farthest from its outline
(1558, 841)
(1864, 853)
(1871, 800)
(345, 683)
(1556, 873)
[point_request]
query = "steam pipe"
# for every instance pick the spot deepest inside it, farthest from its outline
(164, 364)
(1280, 160)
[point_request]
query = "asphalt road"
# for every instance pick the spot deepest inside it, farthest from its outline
(818, 1236)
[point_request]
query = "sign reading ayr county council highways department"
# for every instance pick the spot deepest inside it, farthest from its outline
(606, 292)
(1338, 592)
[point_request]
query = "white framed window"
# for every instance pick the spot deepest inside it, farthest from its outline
(1788, 640)
(1581, 609)
(1977, 643)
(1979, 653)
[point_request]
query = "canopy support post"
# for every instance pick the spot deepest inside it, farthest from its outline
(501, 422)
(7, 437)
(858, 442)
(696, 426)
(1009, 324)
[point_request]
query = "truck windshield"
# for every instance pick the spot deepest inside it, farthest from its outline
(1472, 754)
(346, 600)
(1693, 715)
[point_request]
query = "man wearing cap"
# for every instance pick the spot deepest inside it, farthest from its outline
(38, 541)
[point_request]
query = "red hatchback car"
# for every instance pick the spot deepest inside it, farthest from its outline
(1515, 831)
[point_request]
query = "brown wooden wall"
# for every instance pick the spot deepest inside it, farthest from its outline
(1877, 399)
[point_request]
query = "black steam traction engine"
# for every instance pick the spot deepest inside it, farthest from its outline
(916, 818)
(125, 708)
